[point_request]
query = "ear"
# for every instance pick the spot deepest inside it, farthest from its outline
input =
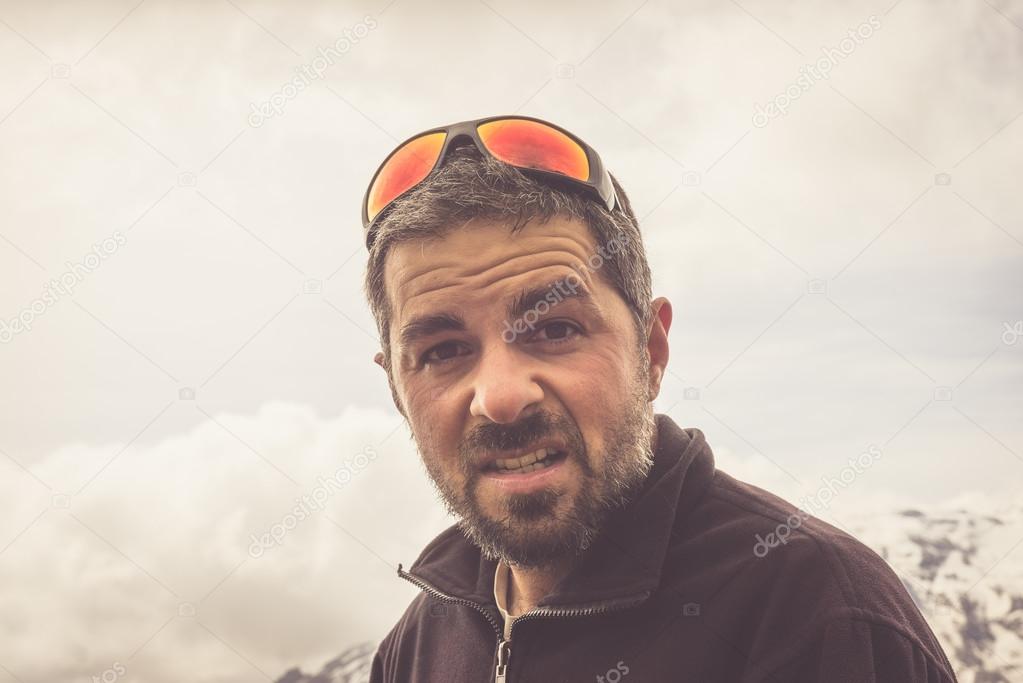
(379, 359)
(657, 343)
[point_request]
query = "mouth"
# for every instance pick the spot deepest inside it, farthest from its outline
(529, 472)
(534, 461)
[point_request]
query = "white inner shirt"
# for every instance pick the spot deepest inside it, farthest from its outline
(501, 576)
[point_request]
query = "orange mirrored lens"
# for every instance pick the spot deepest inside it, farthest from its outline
(406, 167)
(531, 144)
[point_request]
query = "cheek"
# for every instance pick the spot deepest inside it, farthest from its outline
(599, 376)
(417, 398)
(430, 404)
(594, 420)
(434, 423)
(594, 389)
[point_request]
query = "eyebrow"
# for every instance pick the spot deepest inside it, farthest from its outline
(428, 325)
(525, 301)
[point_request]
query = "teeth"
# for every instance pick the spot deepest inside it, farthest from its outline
(526, 463)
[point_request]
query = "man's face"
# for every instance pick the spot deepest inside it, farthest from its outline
(486, 376)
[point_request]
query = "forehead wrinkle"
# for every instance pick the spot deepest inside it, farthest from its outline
(550, 249)
(501, 275)
(584, 244)
(431, 269)
(500, 267)
(460, 283)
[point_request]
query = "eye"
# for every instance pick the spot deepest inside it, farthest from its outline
(560, 331)
(445, 353)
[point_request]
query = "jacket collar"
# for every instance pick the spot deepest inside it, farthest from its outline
(626, 558)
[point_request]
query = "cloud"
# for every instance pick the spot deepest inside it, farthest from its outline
(164, 532)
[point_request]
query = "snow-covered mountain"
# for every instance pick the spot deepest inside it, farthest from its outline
(963, 569)
(351, 666)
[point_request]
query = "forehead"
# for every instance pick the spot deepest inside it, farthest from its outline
(479, 258)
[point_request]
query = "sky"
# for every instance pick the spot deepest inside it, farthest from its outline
(185, 348)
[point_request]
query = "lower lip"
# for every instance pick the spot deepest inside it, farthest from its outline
(526, 481)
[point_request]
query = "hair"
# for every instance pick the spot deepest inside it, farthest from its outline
(469, 186)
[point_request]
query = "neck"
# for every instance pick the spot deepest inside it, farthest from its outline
(527, 586)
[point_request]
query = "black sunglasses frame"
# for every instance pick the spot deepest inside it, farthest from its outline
(598, 184)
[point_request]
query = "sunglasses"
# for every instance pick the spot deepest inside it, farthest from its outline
(538, 147)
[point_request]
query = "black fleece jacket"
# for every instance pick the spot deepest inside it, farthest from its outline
(676, 588)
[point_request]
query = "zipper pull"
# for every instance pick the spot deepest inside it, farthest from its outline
(503, 655)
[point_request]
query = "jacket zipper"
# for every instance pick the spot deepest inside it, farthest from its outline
(504, 645)
(503, 655)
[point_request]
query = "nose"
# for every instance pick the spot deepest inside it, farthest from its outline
(504, 386)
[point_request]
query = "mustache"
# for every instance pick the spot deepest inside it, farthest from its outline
(501, 437)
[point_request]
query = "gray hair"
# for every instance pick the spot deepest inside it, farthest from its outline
(470, 186)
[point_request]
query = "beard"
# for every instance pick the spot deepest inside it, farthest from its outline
(544, 527)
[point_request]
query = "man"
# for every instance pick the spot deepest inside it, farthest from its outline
(596, 540)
